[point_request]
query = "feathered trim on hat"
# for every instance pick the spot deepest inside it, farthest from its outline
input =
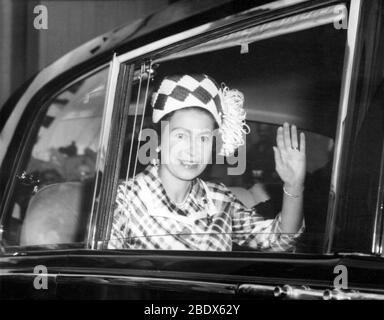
(233, 126)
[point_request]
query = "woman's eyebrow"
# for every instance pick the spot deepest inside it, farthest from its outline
(204, 131)
(180, 128)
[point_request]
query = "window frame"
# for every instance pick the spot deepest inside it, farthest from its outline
(343, 163)
(204, 33)
(118, 113)
(347, 88)
(378, 239)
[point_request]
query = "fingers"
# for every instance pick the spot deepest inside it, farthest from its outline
(302, 142)
(287, 136)
(280, 139)
(295, 143)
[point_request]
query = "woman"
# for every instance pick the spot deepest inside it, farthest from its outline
(168, 207)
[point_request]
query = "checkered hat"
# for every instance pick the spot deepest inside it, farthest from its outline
(198, 90)
(182, 91)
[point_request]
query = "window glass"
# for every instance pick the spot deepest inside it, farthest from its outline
(293, 78)
(53, 192)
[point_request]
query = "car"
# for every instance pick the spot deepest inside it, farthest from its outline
(77, 128)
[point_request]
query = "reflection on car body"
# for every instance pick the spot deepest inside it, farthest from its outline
(72, 136)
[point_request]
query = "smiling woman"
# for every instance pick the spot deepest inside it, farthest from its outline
(168, 206)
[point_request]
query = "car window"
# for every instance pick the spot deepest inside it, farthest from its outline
(52, 193)
(293, 76)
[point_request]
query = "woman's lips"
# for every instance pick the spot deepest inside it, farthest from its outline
(189, 164)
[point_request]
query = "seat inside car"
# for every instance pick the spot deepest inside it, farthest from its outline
(57, 214)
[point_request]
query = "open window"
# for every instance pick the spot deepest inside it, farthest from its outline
(289, 70)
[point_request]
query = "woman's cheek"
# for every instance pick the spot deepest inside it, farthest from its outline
(207, 153)
(176, 150)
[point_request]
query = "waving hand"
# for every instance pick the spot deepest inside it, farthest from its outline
(290, 156)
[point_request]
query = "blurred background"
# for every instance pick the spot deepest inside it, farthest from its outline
(26, 50)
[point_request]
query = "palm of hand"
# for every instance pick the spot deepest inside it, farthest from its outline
(290, 156)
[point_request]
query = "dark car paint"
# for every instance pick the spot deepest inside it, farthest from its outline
(82, 274)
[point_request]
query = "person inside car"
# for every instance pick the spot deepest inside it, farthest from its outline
(261, 186)
(167, 206)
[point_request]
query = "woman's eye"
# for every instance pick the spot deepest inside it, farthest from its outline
(180, 136)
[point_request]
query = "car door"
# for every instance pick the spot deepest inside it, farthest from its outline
(250, 51)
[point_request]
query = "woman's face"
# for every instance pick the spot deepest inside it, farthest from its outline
(186, 143)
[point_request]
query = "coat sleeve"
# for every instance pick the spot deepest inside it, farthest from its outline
(120, 225)
(252, 230)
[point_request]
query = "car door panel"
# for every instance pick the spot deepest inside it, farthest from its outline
(140, 275)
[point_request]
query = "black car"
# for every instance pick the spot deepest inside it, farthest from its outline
(73, 131)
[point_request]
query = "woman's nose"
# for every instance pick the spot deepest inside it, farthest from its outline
(194, 149)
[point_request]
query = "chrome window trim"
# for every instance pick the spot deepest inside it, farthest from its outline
(150, 282)
(185, 35)
(348, 73)
(114, 153)
(136, 53)
(378, 234)
(279, 4)
(114, 68)
(262, 31)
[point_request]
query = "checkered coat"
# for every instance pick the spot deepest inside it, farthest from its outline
(211, 219)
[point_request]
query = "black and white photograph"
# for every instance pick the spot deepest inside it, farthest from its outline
(192, 155)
